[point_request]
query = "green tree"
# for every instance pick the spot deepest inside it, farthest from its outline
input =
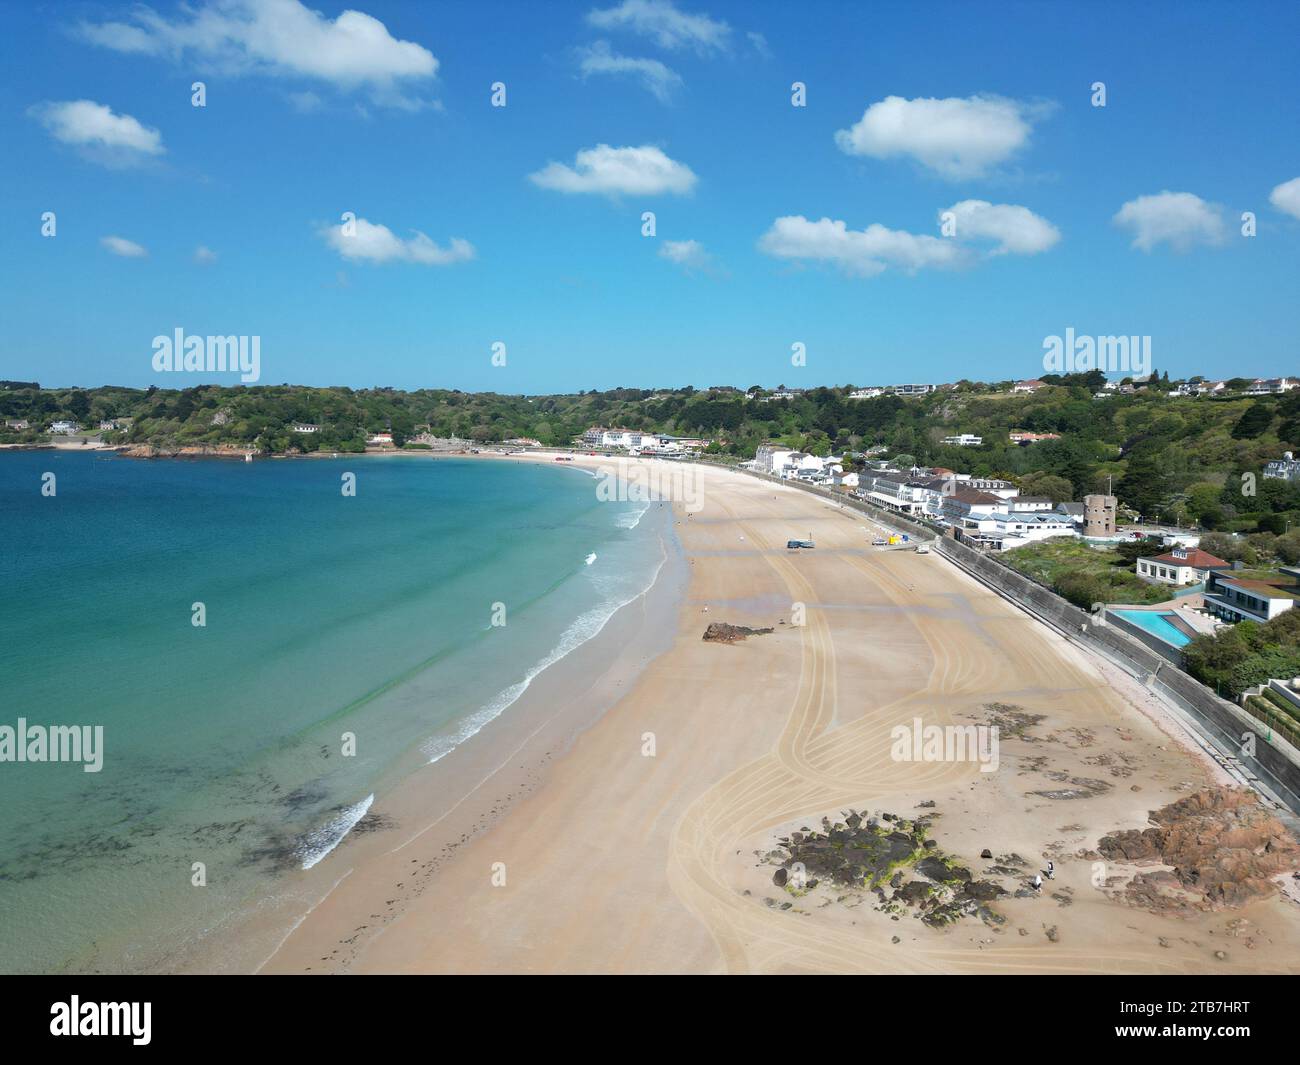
(1253, 423)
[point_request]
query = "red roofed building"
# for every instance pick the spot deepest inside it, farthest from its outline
(1182, 565)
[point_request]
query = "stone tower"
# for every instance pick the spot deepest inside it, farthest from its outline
(1099, 515)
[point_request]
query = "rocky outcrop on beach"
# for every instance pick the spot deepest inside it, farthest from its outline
(862, 852)
(1223, 846)
(855, 852)
(721, 632)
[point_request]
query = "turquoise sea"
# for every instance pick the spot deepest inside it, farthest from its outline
(326, 615)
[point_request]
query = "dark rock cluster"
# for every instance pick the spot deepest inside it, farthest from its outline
(721, 632)
(861, 852)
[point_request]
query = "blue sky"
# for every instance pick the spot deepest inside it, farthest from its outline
(389, 116)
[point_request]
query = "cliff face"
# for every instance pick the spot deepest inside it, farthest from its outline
(1224, 848)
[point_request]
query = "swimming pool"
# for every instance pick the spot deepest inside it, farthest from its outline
(1156, 623)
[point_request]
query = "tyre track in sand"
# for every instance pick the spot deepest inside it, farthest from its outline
(816, 766)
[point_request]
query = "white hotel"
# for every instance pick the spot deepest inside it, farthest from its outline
(640, 442)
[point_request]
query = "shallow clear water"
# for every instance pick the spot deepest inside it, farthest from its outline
(325, 616)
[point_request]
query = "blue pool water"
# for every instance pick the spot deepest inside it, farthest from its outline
(1155, 623)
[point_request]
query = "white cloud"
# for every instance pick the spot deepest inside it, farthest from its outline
(1179, 219)
(379, 244)
(281, 38)
(654, 76)
(1286, 197)
(204, 256)
(859, 252)
(663, 23)
(99, 133)
(644, 171)
(127, 249)
(690, 255)
(1016, 229)
(957, 138)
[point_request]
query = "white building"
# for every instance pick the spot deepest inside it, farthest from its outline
(1002, 532)
(1180, 566)
(1287, 468)
(620, 438)
(892, 490)
(1001, 489)
(660, 444)
(907, 492)
(64, 428)
(1028, 386)
(814, 470)
(1238, 599)
(770, 456)
(1264, 386)
(782, 393)
(866, 393)
(970, 503)
(380, 439)
(964, 440)
(1030, 504)
(305, 427)
(912, 390)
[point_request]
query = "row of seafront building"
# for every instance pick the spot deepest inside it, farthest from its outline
(990, 514)
(642, 442)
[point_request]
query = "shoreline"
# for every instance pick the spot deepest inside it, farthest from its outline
(617, 862)
(551, 840)
(437, 807)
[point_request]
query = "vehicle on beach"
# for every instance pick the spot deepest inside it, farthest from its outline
(798, 543)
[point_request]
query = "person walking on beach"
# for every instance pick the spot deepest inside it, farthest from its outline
(1051, 871)
(1038, 882)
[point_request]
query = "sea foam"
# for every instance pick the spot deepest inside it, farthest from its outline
(585, 627)
(320, 841)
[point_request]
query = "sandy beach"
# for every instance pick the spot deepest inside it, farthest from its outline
(635, 822)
